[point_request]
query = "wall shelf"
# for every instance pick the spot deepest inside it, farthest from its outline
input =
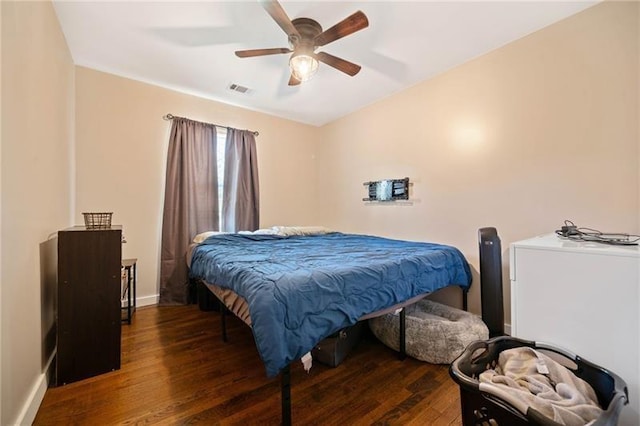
(387, 191)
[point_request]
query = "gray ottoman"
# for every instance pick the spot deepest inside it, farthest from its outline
(435, 333)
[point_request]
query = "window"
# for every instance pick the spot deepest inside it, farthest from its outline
(221, 142)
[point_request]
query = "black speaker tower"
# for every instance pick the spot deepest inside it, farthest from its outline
(491, 281)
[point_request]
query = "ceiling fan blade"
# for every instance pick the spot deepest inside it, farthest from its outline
(338, 63)
(261, 52)
(347, 26)
(293, 81)
(278, 14)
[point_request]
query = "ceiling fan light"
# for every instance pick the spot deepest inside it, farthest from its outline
(303, 66)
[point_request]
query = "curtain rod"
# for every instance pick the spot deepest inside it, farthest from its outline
(168, 117)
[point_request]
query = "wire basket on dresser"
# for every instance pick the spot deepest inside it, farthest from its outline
(100, 220)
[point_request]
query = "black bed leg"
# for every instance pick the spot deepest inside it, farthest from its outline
(223, 313)
(465, 293)
(285, 388)
(403, 352)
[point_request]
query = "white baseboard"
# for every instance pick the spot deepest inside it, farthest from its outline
(142, 301)
(30, 408)
(147, 300)
(507, 329)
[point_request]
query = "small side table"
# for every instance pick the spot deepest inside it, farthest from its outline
(129, 266)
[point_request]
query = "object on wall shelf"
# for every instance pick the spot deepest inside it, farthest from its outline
(388, 190)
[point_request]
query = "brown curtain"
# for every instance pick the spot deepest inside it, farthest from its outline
(240, 202)
(190, 202)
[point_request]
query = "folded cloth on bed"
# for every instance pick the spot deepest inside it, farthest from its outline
(300, 289)
(526, 378)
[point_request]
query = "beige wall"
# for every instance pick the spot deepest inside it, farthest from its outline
(539, 131)
(121, 154)
(37, 146)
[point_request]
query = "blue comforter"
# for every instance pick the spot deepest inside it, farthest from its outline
(301, 289)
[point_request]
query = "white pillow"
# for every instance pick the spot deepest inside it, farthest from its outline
(284, 231)
(204, 235)
(268, 231)
(301, 230)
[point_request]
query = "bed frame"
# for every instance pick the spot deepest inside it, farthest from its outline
(285, 373)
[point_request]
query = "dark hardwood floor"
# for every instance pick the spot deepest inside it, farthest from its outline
(176, 370)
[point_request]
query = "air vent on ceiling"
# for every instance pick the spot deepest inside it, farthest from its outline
(240, 89)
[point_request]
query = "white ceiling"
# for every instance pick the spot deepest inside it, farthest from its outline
(189, 46)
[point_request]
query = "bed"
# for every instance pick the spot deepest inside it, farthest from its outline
(295, 290)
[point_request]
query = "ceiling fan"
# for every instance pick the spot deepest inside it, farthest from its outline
(305, 35)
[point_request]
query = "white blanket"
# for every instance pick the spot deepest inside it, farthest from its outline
(527, 378)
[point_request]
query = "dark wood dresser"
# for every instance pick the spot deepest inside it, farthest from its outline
(88, 296)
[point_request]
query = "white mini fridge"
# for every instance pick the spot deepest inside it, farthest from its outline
(583, 297)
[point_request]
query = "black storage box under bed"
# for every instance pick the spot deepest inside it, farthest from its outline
(333, 350)
(480, 408)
